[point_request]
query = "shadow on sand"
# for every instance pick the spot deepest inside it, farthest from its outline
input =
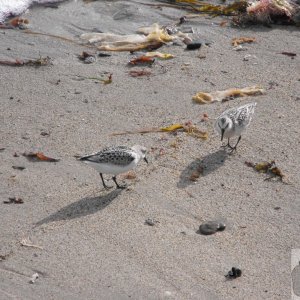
(208, 164)
(83, 207)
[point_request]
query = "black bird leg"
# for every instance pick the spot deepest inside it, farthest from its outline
(234, 148)
(118, 186)
(105, 186)
(228, 145)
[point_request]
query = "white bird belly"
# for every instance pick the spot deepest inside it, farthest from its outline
(107, 168)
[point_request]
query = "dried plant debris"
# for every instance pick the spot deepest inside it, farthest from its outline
(27, 243)
(151, 222)
(187, 127)
(42, 61)
(34, 277)
(142, 60)
(150, 38)
(211, 227)
(17, 22)
(87, 57)
(14, 200)
(139, 72)
(18, 168)
(270, 11)
(39, 156)
(196, 174)
(242, 40)
(234, 273)
(131, 175)
(290, 54)
(159, 55)
(218, 96)
(5, 256)
(268, 168)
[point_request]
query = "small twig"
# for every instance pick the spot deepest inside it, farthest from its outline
(27, 243)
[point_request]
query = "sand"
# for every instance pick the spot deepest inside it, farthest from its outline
(95, 243)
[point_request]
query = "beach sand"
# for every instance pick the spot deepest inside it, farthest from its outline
(95, 243)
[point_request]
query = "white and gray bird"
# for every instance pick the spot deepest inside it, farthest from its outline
(233, 122)
(115, 160)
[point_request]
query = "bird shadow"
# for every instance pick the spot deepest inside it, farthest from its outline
(202, 167)
(83, 207)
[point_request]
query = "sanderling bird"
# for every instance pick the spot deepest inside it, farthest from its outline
(233, 122)
(115, 160)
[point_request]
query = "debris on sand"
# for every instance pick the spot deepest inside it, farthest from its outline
(218, 96)
(242, 40)
(142, 60)
(42, 61)
(17, 22)
(266, 12)
(290, 54)
(39, 156)
(268, 168)
(27, 243)
(151, 222)
(187, 127)
(151, 38)
(159, 55)
(87, 57)
(13, 200)
(139, 73)
(34, 277)
(234, 273)
(211, 227)
(196, 174)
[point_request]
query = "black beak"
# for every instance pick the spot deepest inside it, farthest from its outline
(222, 134)
(145, 159)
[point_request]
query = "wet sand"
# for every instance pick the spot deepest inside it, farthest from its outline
(95, 243)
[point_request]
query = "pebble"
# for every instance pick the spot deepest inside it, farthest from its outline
(89, 60)
(234, 273)
(151, 222)
(194, 45)
(211, 227)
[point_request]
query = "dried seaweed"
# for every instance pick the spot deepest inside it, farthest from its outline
(142, 60)
(39, 156)
(268, 168)
(139, 73)
(159, 55)
(42, 61)
(14, 200)
(187, 127)
(205, 98)
(242, 40)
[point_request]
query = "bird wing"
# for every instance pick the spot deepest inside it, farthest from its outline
(119, 155)
(244, 113)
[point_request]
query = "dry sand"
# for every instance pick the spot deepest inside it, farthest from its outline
(95, 244)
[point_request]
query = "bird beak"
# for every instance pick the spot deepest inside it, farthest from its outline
(222, 134)
(145, 159)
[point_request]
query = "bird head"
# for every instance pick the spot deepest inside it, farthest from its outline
(224, 124)
(141, 150)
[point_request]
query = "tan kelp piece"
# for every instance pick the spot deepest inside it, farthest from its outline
(217, 96)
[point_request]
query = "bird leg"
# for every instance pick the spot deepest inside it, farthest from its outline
(234, 148)
(118, 186)
(105, 186)
(228, 145)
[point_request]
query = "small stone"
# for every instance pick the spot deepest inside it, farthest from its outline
(211, 227)
(34, 277)
(89, 60)
(277, 207)
(194, 45)
(45, 133)
(234, 273)
(151, 222)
